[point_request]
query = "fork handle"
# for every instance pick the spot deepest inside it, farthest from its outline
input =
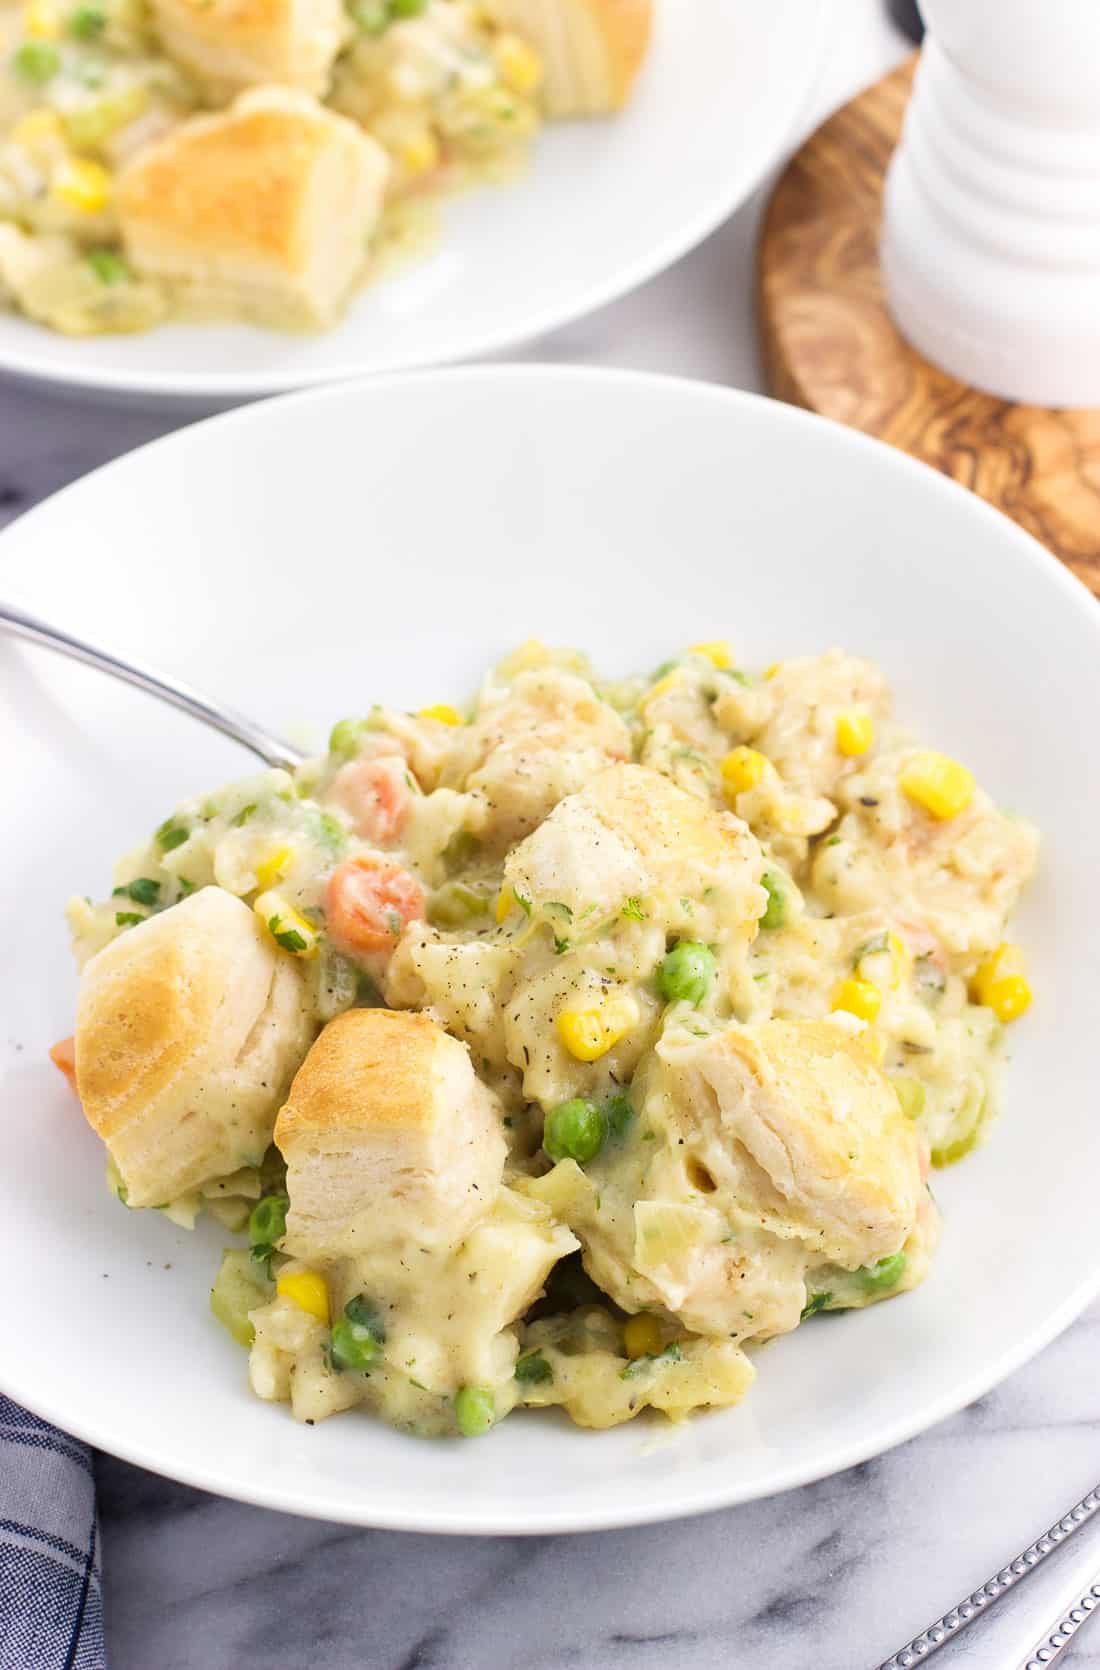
(269, 748)
(1049, 1650)
(921, 1647)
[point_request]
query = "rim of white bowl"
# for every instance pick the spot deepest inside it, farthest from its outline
(725, 1491)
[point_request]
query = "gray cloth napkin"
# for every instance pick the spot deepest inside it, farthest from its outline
(51, 1602)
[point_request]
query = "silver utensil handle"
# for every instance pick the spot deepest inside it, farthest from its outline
(1050, 1649)
(269, 748)
(930, 1640)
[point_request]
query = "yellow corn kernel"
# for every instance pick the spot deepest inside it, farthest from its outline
(443, 711)
(520, 66)
(506, 904)
(531, 653)
(36, 126)
(900, 960)
(287, 926)
(717, 652)
(81, 184)
(875, 1045)
(855, 732)
(1001, 983)
(274, 867)
(664, 685)
(641, 1336)
(939, 784)
(418, 152)
(897, 971)
(589, 1033)
(770, 672)
(858, 997)
(742, 769)
(307, 1290)
(40, 19)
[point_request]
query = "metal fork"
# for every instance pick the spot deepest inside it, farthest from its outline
(920, 1649)
(271, 749)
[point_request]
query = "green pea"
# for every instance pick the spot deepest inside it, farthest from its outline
(910, 1093)
(776, 912)
(475, 1411)
(883, 1275)
(267, 1220)
(358, 1336)
(575, 1130)
(346, 736)
(372, 16)
(686, 973)
(407, 8)
(37, 62)
(108, 266)
(86, 23)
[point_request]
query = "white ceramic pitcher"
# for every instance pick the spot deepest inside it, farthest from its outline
(991, 230)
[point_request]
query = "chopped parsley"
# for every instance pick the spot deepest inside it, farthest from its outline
(817, 1302)
(289, 938)
(632, 910)
(243, 816)
(670, 1354)
(128, 918)
(171, 835)
(86, 22)
(143, 891)
(533, 1369)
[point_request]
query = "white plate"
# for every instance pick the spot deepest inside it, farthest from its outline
(302, 557)
(603, 206)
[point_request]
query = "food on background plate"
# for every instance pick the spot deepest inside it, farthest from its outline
(181, 160)
(564, 1050)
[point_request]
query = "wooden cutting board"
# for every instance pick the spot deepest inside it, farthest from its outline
(828, 343)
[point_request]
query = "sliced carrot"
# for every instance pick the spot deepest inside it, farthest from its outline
(375, 794)
(63, 1056)
(368, 903)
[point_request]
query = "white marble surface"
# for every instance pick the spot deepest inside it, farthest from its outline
(832, 1577)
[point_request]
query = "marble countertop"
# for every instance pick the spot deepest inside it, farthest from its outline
(831, 1577)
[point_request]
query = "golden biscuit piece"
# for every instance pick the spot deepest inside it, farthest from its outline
(798, 1126)
(388, 1135)
(188, 1029)
(264, 209)
(631, 833)
(232, 44)
(769, 1163)
(591, 50)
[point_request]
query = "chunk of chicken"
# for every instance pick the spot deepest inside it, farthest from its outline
(956, 879)
(542, 738)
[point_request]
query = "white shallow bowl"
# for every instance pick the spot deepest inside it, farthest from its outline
(603, 206)
(303, 557)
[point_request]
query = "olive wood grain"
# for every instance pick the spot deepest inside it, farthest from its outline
(829, 344)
